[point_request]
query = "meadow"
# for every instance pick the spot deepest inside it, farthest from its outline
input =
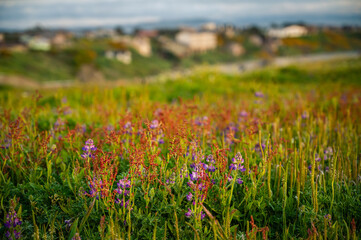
(273, 154)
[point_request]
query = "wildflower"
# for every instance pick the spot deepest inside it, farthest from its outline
(230, 178)
(110, 128)
(68, 223)
(88, 148)
(237, 163)
(128, 128)
(210, 159)
(67, 111)
(304, 115)
(127, 125)
(7, 142)
(203, 215)
(243, 114)
(154, 124)
(258, 147)
(259, 94)
(76, 237)
(205, 166)
(193, 176)
(123, 183)
(189, 196)
(212, 168)
(12, 223)
(59, 125)
(189, 213)
(241, 168)
(239, 181)
(238, 158)
(328, 217)
(329, 151)
(233, 167)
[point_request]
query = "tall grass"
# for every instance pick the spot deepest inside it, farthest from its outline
(234, 159)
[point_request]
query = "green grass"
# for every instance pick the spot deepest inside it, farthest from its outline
(65, 64)
(287, 192)
(38, 65)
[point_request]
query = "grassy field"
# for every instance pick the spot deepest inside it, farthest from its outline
(274, 154)
(65, 64)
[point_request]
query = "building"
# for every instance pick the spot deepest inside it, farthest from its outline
(236, 49)
(142, 45)
(197, 41)
(39, 43)
(171, 46)
(121, 56)
(147, 33)
(210, 27)
(60, 39)
(1, 37)
(256, 40)
(288, 32)
(100, 33)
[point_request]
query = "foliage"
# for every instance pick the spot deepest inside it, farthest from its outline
(274, 154)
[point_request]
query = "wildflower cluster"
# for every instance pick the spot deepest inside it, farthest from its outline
(96, 186)
(122, 191)
(157, 134)
(88, 149)
(237, 164)
(13, 223)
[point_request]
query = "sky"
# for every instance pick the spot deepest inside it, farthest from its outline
(21, 14)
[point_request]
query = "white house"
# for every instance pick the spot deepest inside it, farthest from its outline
(197, 41)
(121, 56)
(290, 31)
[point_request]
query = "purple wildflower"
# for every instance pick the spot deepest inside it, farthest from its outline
(239, 181)
(212, 168)
(304, 115)
(189, 213)
(76, 237)
(210, 159)
(233, 167)
(12, 223)
(259, 94)
(189, 197)
(154, 124)
(243, 114)
(88, 148)
(230, 178)
(68, 223)
(193, 176)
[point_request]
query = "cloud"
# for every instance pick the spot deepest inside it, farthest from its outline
(76, 22)
(57, 13)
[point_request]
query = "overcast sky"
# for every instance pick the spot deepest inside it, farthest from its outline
(21, 14)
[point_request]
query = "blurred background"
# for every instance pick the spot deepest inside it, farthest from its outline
(61, 42)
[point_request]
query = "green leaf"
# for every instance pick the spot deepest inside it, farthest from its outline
(73, 229)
